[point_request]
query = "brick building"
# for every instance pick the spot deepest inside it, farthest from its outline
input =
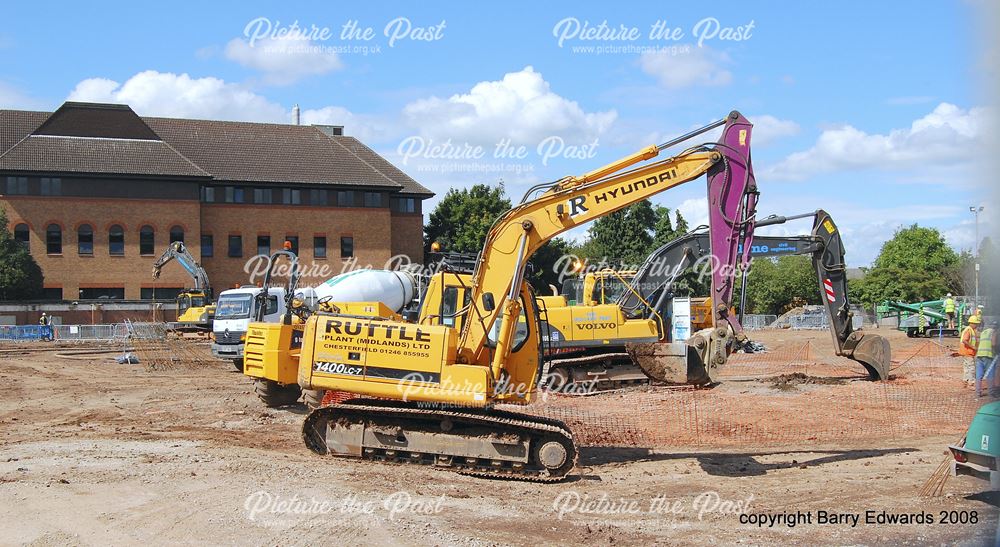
(97, 192)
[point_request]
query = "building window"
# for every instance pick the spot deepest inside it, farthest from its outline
(373, 199)
(159, 293)
(318, 197)
(116, 240)
(103, 293)
(53, 239)
(85, 239)
(176, 234)
(147, 245)
(207, 245)
(291, 196)
(345, 198)
(207, 194)
(294, 242)
(51, 186)
(404, 205)
(264, 245)
(17, 185)
(346, 247)
(319, 247)
(262, 195)
(235, 194)
(22, 235)
(235, 246)
(52, 293)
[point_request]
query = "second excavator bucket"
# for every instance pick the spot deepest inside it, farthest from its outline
(689, 363)
(872, 351)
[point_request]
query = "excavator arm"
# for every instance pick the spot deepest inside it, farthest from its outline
(573, 201)
(654, 279)
(177, 251)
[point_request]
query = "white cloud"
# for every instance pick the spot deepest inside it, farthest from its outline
(694, 211)
(283, 60)
(367, 128)
(152, 93)
(767, 129)
(520, 107)
(949, 134)
(700, 66)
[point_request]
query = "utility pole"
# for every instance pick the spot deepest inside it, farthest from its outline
(975, 248)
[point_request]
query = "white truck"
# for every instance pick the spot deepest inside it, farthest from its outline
(234, 310)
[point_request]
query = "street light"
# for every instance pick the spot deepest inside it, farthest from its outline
(975, 247)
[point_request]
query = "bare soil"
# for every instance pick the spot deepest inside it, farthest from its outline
(93, 452)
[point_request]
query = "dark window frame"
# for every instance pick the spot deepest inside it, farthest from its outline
(51, 186)
(147, 247)
(234, 251)
(112, 244)
(176, 230)
(24, 239)
(319, 247)
(210, 240)
(347, 247)
(267, 250)
(89, 241)
(53, 241)
(294, 241)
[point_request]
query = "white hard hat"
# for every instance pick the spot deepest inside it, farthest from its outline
(949, 294)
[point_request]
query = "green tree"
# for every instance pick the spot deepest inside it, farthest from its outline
(462, 219)
(915, 265)
(681, 225)
(664, 231)
(20, 276)
(773, 286)
(624, 237)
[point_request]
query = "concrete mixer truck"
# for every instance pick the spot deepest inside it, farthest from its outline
(368, 293)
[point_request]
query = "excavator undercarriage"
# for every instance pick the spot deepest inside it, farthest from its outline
(480, 442)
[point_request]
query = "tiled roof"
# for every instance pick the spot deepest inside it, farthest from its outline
(82, 137)
(97, 155)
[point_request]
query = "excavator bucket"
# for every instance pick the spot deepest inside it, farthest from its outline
(872, 351)
(692, 363)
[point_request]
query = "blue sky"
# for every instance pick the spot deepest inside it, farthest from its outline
(868, 110)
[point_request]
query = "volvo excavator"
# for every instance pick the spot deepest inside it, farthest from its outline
(195, 308)
(599, 346)
(429, 389)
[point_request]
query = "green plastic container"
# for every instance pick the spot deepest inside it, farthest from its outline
(984, 432)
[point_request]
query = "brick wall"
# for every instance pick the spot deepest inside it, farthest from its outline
(370, 228)
(72, 271)
(378, 235)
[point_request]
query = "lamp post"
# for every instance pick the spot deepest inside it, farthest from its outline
(975, 247)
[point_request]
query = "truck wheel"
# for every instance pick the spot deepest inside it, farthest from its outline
(238, 363)
(273, 394)
(313, 398)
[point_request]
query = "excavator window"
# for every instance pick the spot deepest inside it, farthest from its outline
(197, 301)
(183, 303)
(520, 333)
(449, 306)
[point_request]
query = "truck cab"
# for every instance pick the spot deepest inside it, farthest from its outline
(233, 312)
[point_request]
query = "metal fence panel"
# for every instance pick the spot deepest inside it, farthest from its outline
(758, 321)
(114, 331)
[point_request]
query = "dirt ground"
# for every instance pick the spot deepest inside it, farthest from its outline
(93, 452)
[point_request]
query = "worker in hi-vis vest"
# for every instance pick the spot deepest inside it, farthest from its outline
(985, 357)
(949, 310)
(967, 347)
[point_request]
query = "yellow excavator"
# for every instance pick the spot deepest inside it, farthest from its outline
(429, 389)
(195, 307)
